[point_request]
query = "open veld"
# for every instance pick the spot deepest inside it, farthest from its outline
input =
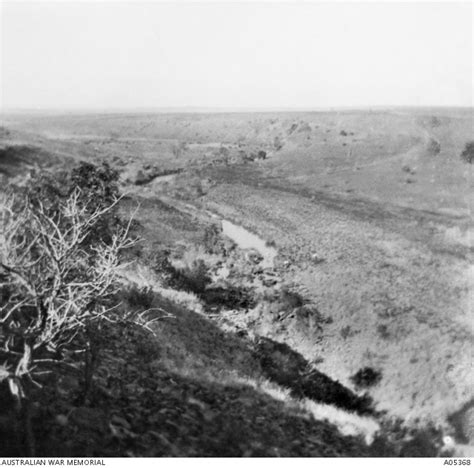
(343, 238)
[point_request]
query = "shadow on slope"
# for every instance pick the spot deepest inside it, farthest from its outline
(189, 389)
(16, 159)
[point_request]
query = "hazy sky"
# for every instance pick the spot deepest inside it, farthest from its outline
(259, 55)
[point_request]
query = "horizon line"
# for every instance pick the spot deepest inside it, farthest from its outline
(219, 109)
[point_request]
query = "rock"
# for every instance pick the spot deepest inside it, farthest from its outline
(269, 282)
(315, 259)
(254, 257)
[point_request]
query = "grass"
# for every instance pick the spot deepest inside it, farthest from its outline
(208, 395)
(413, 335)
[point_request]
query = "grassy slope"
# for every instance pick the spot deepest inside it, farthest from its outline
(188, 389)
(396, 253)
(395, 304)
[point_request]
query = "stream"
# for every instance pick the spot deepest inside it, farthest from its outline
(247, 240)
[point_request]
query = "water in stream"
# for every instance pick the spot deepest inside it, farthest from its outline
(247, 240)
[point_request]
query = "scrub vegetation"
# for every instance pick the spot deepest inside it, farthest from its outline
(233, 285)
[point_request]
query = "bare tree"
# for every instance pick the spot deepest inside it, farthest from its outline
(54, 283)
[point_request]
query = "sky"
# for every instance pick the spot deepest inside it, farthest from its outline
(105, 55)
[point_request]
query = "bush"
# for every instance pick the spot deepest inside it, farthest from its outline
(98, 187)
(434, 147)
(195, 278)
(141, 298)
(212, 241)
(51, 287)
(277, 143)
(291, 370)
(189, 274)
(57, 277)
(291, 299)
(467, 154)
(366, 377)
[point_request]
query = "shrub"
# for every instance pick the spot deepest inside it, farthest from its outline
(291, 299)
(195, 277)
(189, 273)
(279, 362)
(141, 298)
(227, 297)
(277, 143)
(320, 387)
(51, 287)
(434, 147)
(346, 332)
(366, 377)
(98, 188)
(270, 243)
(291, 370)
(467, 154)
(212, 241)
(57, 280)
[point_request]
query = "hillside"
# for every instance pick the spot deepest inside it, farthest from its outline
(315, 270)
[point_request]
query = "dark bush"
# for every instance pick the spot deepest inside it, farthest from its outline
(98, 183)
(366, 377)
(193, 279)
(290, 369)
(398, 440)
(279, 362)
(213, 239)
(291, 299)
(346, 331)
(434, 147)
(467, 154)
(98, 187)
(141, 298)
(423, 442)
(228, 297)
(319, 387)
